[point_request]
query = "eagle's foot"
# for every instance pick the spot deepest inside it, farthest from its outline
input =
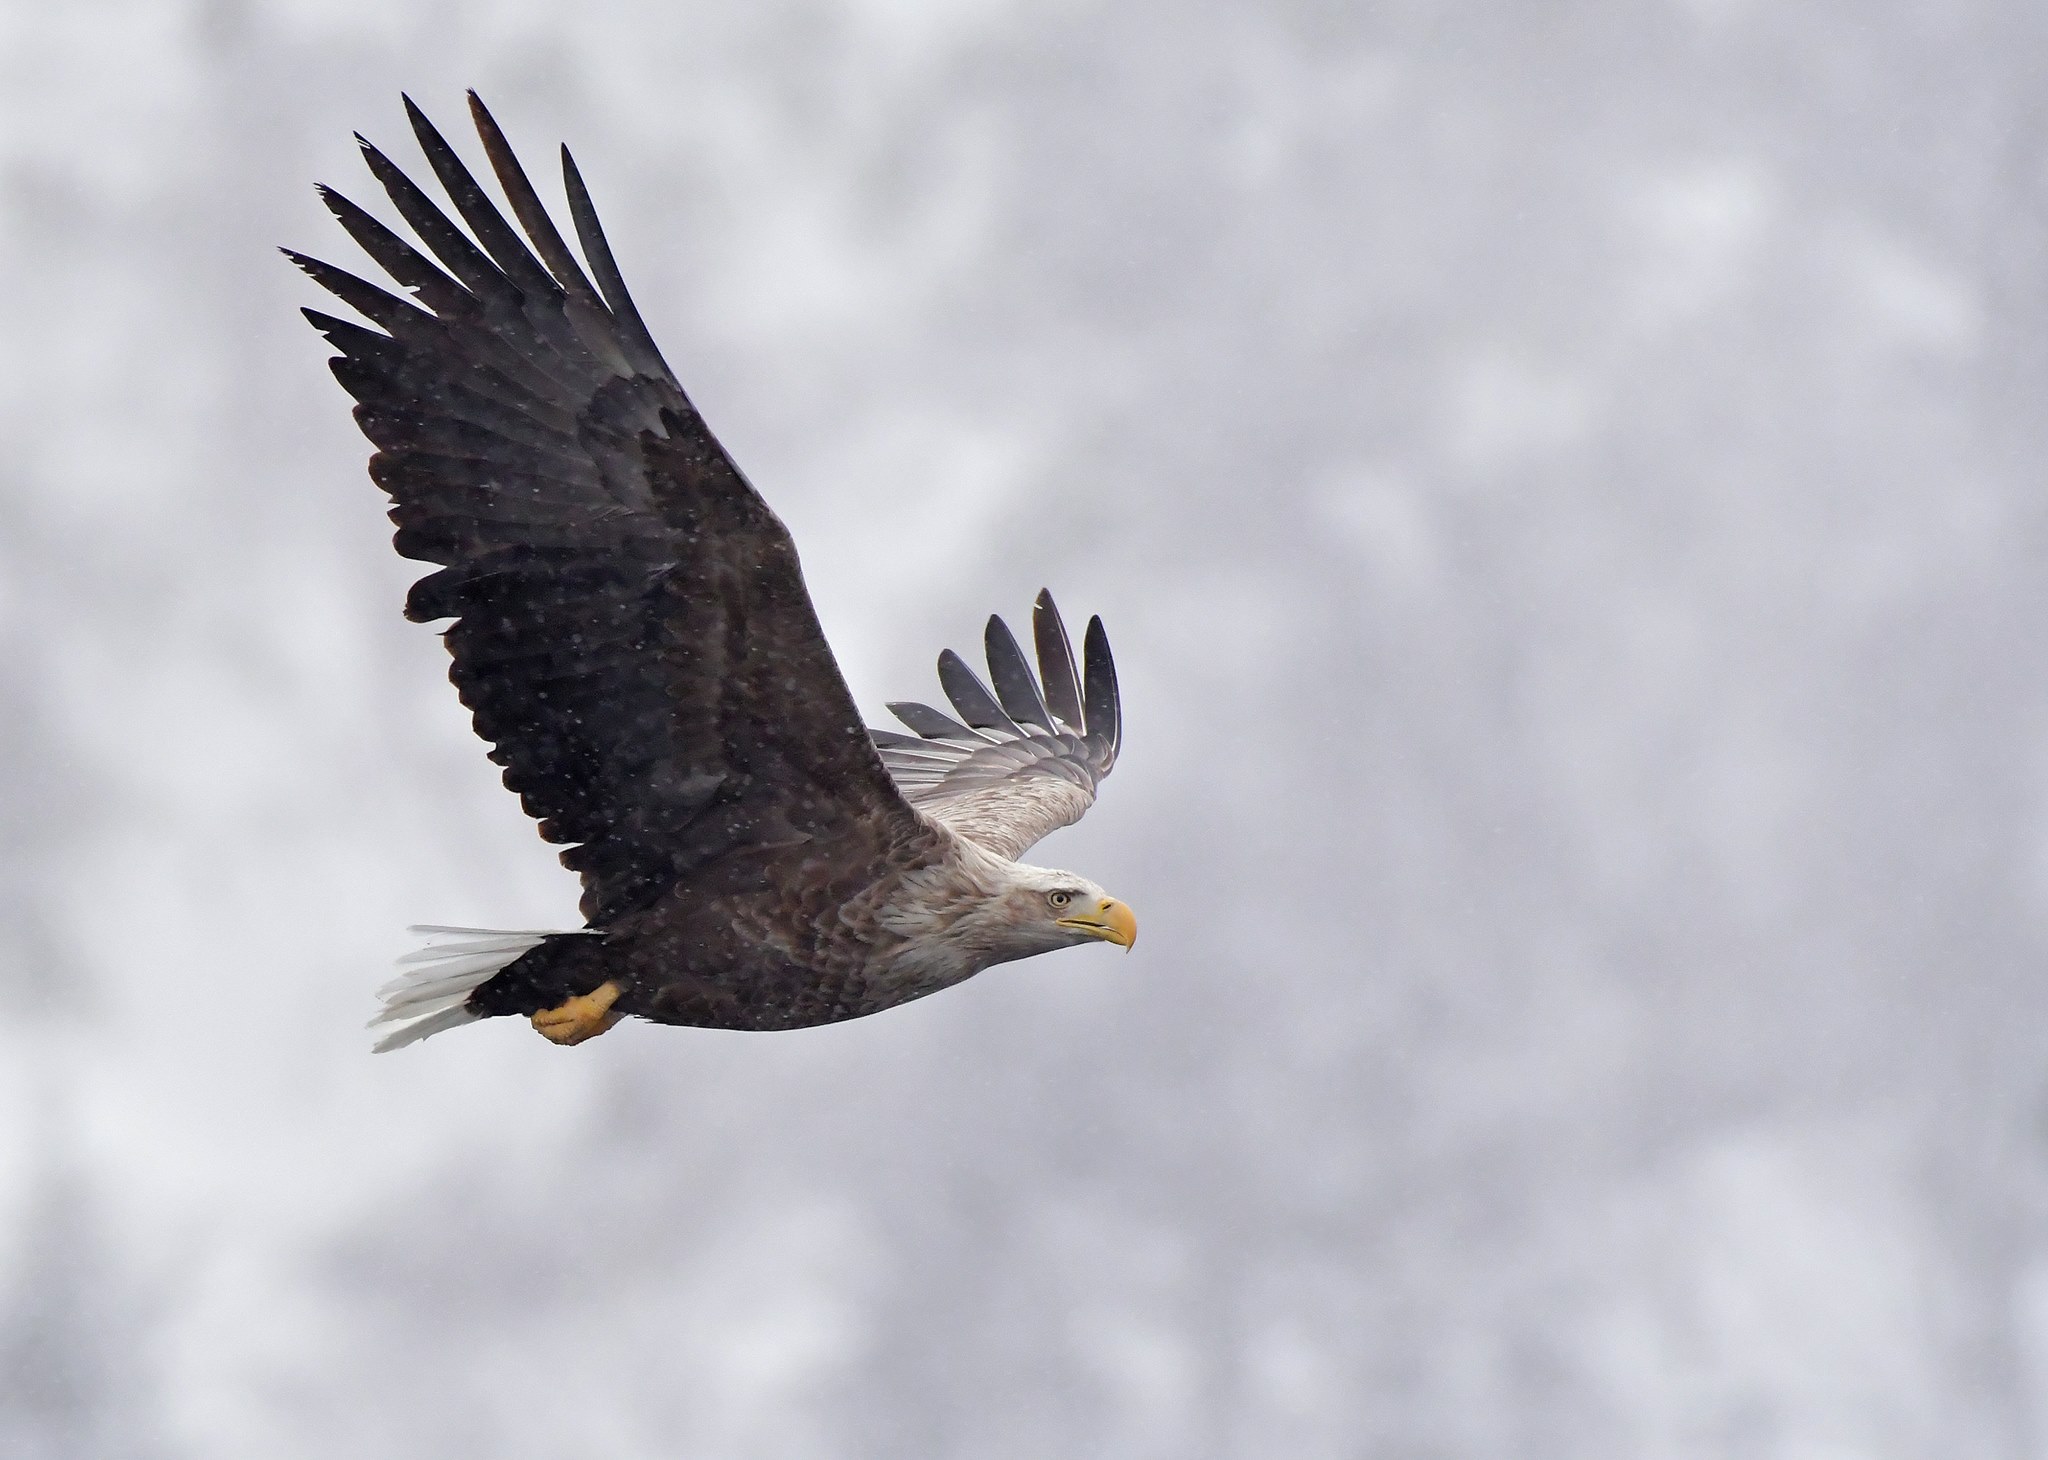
(584, 1017)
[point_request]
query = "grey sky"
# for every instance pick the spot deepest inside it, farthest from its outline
(1563, 485)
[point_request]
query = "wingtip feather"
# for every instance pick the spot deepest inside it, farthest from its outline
(1103, 704)
(1015, 685)
(1056, 669)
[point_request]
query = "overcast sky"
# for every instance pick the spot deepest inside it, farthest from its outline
(1564, 486)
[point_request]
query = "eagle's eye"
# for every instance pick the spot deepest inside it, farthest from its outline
(1059, 899)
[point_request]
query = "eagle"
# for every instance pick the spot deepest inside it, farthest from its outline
(629, 629)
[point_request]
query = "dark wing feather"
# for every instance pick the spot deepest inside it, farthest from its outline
(631, 630)
(1015, 684)
(1056, 662)
(1100, 702)
(647, 356)
(506, 248)
(527, 207)
(1031, 754)
(971, 697)
(929, 723)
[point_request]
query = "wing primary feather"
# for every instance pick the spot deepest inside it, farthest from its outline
(1056, 662)
(932, 725)
(443, 239)
(1016, 686)
(350, 338)
(499, 238)
(396, 257)
(609, 281)
(374, 304)
(971, 698)
(527, 207)
(1104, 705)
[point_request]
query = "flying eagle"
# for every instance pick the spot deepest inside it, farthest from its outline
(632, 636)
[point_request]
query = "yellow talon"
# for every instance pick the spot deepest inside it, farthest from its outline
(584, 1017)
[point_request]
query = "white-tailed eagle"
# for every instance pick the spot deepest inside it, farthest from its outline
(632, 635)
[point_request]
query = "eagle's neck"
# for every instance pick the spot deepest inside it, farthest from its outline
(954, 916)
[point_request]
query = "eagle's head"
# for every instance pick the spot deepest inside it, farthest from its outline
(1038, 909)
(977, 909)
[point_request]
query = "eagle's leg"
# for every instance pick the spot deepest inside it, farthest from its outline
(584, 1017)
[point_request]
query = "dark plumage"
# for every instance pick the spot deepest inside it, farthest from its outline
(632, 635)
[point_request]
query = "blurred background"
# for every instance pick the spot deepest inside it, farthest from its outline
(1564, 485)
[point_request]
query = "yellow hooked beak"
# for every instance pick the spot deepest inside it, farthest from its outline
(1112, 922)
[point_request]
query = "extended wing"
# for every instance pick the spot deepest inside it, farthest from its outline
(632, 631)
(1023, 760)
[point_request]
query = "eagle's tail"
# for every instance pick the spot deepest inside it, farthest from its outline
(432, 994)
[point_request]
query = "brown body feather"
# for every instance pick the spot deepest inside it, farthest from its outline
(808, 943)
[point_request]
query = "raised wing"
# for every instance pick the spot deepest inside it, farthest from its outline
(632, 631)
(1023, 759)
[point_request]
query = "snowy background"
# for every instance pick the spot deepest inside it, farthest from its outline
(1564, 482)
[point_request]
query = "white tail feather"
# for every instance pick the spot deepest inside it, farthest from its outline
(433, 992)
(421, 1028)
